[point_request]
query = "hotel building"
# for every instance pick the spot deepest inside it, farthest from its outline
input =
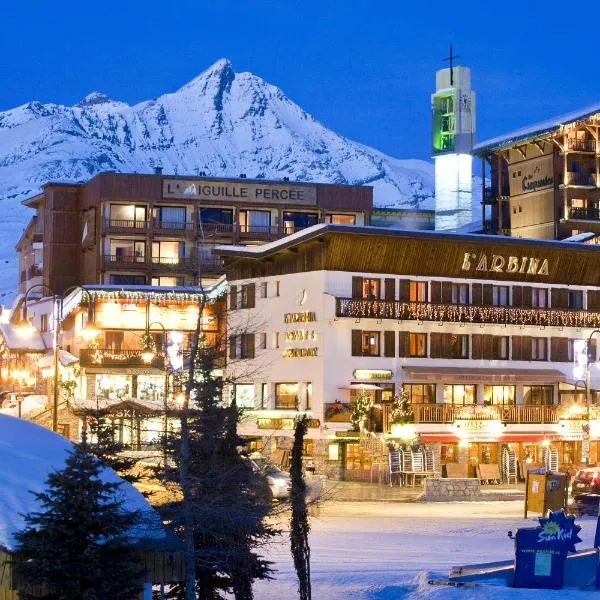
(545, 179)
(129, 229)
(486, 335)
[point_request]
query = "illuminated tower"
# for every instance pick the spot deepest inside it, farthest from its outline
(453, 136)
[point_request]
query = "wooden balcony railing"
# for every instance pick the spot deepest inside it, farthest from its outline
(126, 225)
(583, 179)
(172, 227)
(581, 145)
(127, 261)
(457, 313)
(585, 214)
(510, 414)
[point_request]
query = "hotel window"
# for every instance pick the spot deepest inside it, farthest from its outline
(576, 299)
(244, 395)
(128, 251)
(341, 219)
(371, 289)
(255, 221)
(286, 396)
(460, 293)
(418, 291)
(420, 393)
(459, 394)
(127, 215)
(168, 281)
(309, 392)
(262, 341)
(213, 217)
(539, 349)
(247, 295)
(499, 394)
(113, 340)
(538, 395)
(264, 289)
(295, 221)
(449, 345)
(168, 253)
(500, 295)
(370, 343)
(170, 217)
(247, 345)
(417, 344)
(539, 297)
(489, 347)
(44, 323)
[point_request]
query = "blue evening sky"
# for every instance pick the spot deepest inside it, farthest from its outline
(365, 68)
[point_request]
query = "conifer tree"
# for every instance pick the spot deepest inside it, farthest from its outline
(221, 512)
(75, 547)
(299, 525)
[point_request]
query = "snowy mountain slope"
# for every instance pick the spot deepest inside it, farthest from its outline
(221, 122)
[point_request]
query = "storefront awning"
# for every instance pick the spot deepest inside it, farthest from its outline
(482, 375)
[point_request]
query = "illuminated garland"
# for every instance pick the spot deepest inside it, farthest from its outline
(139, 295)
(500, 315)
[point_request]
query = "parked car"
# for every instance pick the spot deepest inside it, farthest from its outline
(278, 480)
(585, 490)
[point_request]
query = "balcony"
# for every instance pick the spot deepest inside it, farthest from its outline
(581, 145)
(126, 262)
(457, 313)
(109, 357)
(260, 232)
(34, 271)
(585, 214)
(581, 179)
(174, 263)
(173, 228)
(217, 230)
(210, 265)
(125, 226)
(543, 415)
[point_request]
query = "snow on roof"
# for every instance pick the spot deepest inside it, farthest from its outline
(535, 130)
(28, 453)
(15, 340)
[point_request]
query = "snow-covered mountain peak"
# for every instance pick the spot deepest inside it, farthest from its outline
(94, 98)
(221, 122)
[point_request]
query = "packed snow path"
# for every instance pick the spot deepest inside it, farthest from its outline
(385, 551)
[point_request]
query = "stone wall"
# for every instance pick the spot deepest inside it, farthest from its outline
(450, 490)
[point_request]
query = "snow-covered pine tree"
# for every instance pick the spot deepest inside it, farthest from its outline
(222, 504)
(76, 546)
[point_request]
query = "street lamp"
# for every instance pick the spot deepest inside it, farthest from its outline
(148, 356)
(588, 394)
(25, 327)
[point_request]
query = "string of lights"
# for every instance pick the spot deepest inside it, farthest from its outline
(499, 315)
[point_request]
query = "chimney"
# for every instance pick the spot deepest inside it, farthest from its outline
(158, 170)
(242, 175)
(286, 178)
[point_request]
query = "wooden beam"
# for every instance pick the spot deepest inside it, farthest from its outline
(539, 146)
(518, 149)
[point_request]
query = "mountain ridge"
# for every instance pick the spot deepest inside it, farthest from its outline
(221, 122)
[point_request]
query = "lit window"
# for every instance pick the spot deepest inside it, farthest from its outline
(244, 395)
(459, 394)
(499, 394)
(371, 288)
(370, 343)
(418, 344)
(286, 395)
(418, 291)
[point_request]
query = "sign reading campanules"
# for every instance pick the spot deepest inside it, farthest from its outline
(531, 175)
(229, 191)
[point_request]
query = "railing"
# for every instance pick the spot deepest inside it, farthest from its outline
(175, 262)
(511, 414)
(128, 260)
(587, 214)
(109, 357)
(210, 264)
(260, 231)
(173, 227)
(126, 224)
(586, 179)
(457, 313)
(216, 229)
(582, 145)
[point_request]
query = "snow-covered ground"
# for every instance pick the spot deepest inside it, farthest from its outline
(385, 551)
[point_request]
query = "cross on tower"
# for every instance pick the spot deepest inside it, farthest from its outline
(451, 59)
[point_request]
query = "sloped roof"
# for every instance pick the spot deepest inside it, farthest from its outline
(28, 453)
(535, 130)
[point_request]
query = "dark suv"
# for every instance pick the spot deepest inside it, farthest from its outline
(585, 490)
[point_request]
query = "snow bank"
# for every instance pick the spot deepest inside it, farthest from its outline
(28, 453)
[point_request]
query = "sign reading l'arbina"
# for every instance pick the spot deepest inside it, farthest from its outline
(496, 263)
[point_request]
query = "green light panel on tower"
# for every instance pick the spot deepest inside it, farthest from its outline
(444, 123)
